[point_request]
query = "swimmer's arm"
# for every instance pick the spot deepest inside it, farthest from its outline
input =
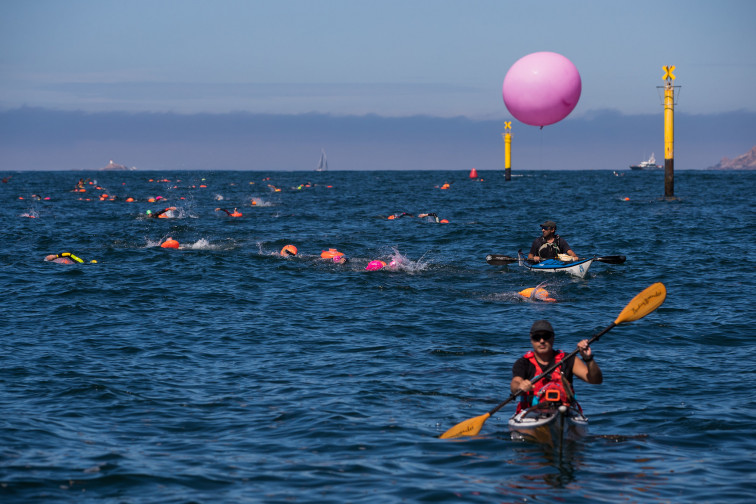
(69, 254)
(160, 212)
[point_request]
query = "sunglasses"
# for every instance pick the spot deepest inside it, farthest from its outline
(544, 227)
(541, 336)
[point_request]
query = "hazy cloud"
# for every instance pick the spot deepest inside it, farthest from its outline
(34, 138)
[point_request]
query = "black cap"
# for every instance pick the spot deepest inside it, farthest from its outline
(540, 326)
(549, 224)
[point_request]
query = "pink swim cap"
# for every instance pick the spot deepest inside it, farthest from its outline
(337, 258)
(375, 265)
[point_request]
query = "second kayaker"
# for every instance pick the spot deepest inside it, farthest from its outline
(549, 245)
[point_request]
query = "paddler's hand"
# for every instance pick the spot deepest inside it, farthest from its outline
(585, 351)
(525, 386)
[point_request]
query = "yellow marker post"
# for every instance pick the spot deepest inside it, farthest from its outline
(507, 135)
(669, 131)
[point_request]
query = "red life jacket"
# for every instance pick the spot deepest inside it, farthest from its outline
(550, 388)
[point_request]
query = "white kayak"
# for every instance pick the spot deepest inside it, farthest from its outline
(548, 425)
(578, 268)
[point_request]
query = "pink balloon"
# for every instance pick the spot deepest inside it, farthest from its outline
(541, 88)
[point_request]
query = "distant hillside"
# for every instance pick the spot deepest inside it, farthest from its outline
(745, 162)
(115, 167)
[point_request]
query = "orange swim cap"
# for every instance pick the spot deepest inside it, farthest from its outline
(289, 250)
(443, 221)
(170, 243)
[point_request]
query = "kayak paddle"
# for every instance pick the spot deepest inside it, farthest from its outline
(641, 305)
(499, 260)
(613, 259)
(502, 260)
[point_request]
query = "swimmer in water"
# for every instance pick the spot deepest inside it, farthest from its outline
(398, 216)
(334, 255)
(235, 213)
(80, 185)
(537, 294)
(375, 265)
(160, 214)
(289, 250)
(429, 216)
(66, 258)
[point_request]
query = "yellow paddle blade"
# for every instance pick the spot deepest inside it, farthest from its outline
(469, 427)
(644, 303)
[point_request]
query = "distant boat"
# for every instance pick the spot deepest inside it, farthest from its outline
(323, 164)
(647, 165)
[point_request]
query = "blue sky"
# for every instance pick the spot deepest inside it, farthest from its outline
(394, 59)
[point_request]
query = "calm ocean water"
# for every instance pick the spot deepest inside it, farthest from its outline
(222, 372)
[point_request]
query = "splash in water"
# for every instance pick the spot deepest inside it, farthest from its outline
(400, 262)
(259, 202)
(202, 244)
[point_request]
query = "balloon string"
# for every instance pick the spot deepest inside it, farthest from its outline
(540, 133)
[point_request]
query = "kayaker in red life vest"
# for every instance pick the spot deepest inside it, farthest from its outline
(549, 244)
(542, 356)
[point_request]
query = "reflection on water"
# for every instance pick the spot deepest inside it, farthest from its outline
(554, 466)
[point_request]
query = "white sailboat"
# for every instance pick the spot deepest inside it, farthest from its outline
(323, 164)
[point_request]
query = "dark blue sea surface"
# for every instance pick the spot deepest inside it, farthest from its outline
(223, 372)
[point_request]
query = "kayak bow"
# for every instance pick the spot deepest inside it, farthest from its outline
(549, 426)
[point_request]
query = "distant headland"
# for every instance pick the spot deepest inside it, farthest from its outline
(116, 167)
(746, 161)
